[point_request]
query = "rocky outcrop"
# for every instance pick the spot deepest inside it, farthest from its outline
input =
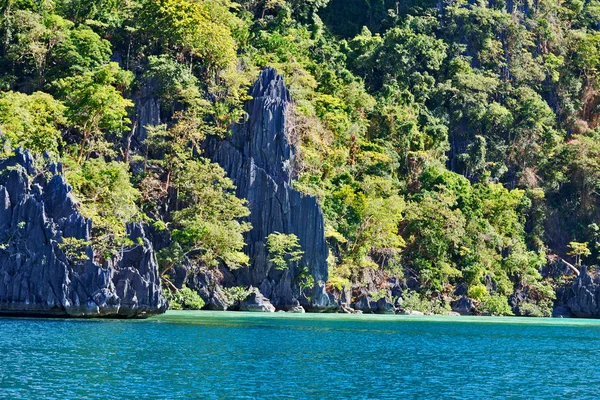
(256, 302)
(463, 306)
(583, 297)
(384, 306)
(206, 283)
(364, 302)
(297, 310)
(39, 275)
(148, 113)
(258, 157)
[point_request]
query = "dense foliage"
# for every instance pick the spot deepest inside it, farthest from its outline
(452, 143)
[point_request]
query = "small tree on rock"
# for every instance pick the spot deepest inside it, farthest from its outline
(284, 249)
(578, 250)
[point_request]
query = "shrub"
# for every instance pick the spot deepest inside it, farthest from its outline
(284, 249)
(305, 280)
(542, 309)
(477, 292)
(439, 306)
(496, 305)
(378, 294)
(338, 282)
(412, 301)
(184, 299)
(235, 294)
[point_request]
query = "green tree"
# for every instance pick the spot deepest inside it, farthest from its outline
(404, 56)
(207, 226)
(305, 9)
(33, 121)
(574, 177)
(284, 250)
(200, 29)
(108, 198)
(184, 299)
(587, 60)
(103, 11)
(29, 40)
(578, 250)
(96, 106)
(82, 50)
(496, 305)
(176, 84)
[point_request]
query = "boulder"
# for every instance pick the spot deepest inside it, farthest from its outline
(413, 284)
(297, 310)
(399, 302)
(40, 276)
(384, 306)
(364, 302)
(396, 287)
(461, 289)
(463, 306)
(256, 302)
(206, 283)
(520, 295)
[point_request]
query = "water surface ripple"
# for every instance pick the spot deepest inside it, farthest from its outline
(212, 355)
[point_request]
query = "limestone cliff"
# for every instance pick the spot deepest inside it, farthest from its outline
(582, 298)
(258, 157)
(37, 210)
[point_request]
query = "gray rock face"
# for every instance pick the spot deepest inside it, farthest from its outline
(258, 158)
(384, 306)
(561, 312)
(365, 304)
(205, 282)
(463, 306)
(256, 302)
(583, 298)
(37, 275)
(147, 112)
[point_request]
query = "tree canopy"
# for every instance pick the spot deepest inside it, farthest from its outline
(452, 145)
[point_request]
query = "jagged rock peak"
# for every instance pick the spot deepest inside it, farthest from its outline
(258, 158)
(263, 137)
(272, 86)
(39, 278)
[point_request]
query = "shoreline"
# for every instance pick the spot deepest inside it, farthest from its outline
(318, 316)
(518, 320)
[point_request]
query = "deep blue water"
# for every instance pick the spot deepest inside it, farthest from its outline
(237, 355)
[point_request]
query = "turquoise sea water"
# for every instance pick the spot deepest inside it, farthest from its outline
(237, 355)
